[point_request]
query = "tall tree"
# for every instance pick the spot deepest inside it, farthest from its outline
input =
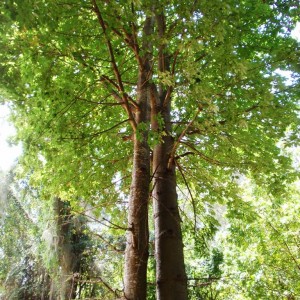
(194, 85)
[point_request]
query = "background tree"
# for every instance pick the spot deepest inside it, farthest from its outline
(49, 252)
(72, 245)
(23, 274)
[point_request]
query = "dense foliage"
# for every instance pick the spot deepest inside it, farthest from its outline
(74, 75)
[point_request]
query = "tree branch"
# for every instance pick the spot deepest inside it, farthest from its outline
(286, 245)
(108, 243)
(171, 159)
(191, 195)
(115, 68)
(95, 134)
(206, 158)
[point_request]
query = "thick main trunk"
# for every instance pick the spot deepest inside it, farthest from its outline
(170, 270)
(136, 254)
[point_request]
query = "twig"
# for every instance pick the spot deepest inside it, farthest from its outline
(108, 243)
(97, 281)
(190, 192)
(206, 158)
(95, 134)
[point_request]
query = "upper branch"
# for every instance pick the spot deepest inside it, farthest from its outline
(175, 146)
(115, 66)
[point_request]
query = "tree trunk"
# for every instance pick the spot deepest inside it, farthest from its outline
(171, 280)
(136, 253)
(170, 270)
(67, 258)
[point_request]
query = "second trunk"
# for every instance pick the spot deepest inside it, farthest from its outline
(170, 270)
